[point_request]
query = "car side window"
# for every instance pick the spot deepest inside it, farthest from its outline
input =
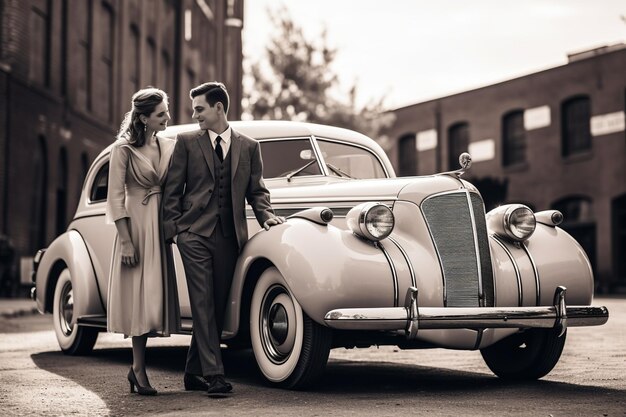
(350, 161)
(289, 157)
(100, 186)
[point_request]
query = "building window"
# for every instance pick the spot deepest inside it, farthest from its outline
(134, 58)
(578, 221)
(618, 226)
(83, 55)
(407, 155)
(84, 168)
(105, 30)
(513, 138)
(458, 142)
(61, 220)
(151, 60)
(40, 35)
(39, 197)
(575, 125)
(165, 78)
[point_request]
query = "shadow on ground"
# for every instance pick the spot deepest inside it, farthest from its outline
(372, 388)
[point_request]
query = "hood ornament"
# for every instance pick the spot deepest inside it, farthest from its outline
(465, 160)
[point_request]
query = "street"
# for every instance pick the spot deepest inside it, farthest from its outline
(37, 379)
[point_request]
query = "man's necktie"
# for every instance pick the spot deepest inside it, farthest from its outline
(218, 148)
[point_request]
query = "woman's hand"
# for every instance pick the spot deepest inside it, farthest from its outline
(130, 257)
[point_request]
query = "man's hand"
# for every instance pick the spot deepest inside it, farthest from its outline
(273, 222)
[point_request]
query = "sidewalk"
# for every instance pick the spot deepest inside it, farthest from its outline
(14, 307)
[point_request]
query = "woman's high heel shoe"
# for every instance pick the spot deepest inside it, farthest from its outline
(132, 379)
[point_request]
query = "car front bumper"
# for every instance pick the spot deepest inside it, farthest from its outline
(411, 318)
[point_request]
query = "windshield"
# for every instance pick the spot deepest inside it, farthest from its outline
(349, 161)
(288, 158)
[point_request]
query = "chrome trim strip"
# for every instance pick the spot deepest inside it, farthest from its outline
(518, 275)
(302, 200)
(394, 273)
(274, 139)
(406, 258)
(319, 155)
(535, 271)
(481, 292)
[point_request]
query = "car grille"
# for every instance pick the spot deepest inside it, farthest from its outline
(457, 226)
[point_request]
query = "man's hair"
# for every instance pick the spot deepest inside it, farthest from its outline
(213, 92)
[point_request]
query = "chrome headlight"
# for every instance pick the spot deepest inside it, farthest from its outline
(372, 221)
(514, 221)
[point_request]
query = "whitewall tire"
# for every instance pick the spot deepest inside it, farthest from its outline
(291, 350)
(73, 339)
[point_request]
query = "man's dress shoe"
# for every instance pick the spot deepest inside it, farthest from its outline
(195, 383)
(218, 385)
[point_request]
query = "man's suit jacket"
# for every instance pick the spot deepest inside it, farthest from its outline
(191, 183)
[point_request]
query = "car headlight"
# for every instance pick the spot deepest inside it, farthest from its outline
(372, 221)
(514, 221)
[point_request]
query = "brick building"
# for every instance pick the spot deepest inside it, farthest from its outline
(67, 71)
(552, 139)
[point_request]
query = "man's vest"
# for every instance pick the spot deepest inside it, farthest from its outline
(220, 205)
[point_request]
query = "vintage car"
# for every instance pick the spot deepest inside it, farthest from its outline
(363, 259)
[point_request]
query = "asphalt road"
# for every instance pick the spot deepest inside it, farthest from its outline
(37, 379)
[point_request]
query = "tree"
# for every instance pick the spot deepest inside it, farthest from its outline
(296, 82)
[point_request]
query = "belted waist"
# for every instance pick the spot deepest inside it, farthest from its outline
(149, 192)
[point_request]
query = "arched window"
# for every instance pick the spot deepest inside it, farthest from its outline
(618, 226)
(61, 220)
(458, 142)
(513, 138)
(39, 197)
(579, 221)
(407, 155)
(575, 125)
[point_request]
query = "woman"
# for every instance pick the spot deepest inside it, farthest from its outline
(142, 299)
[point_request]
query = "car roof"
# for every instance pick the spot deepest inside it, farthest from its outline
(274, 129)
(264, 129)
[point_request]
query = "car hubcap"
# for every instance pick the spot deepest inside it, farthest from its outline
(277, 331)
(66, 309)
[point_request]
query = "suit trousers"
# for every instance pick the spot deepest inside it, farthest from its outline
(209, 266)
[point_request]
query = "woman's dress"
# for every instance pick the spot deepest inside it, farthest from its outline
(142, 299)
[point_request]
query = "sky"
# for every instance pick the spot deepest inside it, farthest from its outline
(410, 51)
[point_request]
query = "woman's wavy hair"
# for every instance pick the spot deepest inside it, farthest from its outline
(143, 102)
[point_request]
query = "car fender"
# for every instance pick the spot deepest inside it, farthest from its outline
(324, 267)
(560, 261)
(528, 273)
(69, 250)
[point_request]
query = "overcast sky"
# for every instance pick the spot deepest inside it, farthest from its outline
(408, 51)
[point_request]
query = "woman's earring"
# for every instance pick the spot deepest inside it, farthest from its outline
(145, 127)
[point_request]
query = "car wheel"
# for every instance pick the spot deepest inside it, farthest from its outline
(524, 356)
(73, 339)
(291, 350)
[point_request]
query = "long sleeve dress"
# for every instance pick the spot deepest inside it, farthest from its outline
(141, 299)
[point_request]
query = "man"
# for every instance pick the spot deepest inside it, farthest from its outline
(212, 172)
